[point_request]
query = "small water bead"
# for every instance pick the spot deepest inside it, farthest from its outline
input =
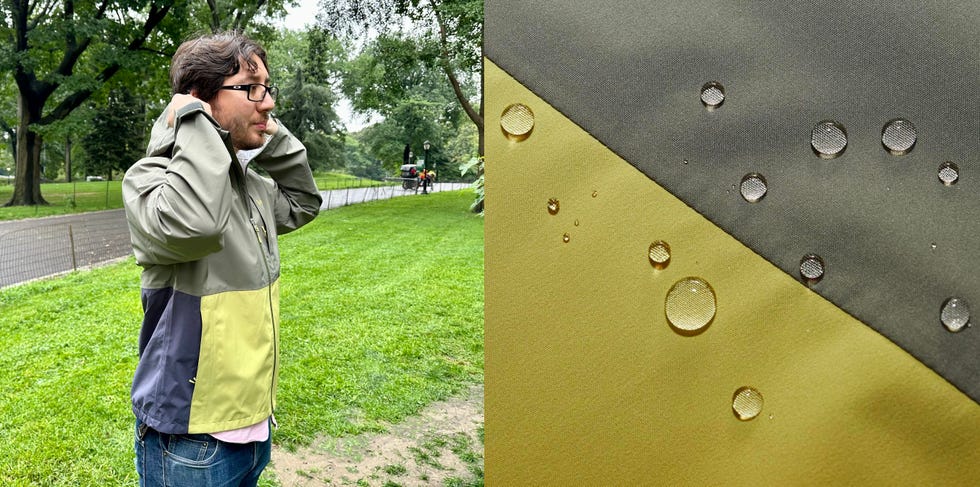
(812, 268)
(566, 238)
(595, 194)
(955, 314)
(517, 122)
(747, 403)
(690, 305)
(712, 95)
(949, 173)
(576, 223)
(553, 206)
(753, 187)
(898, 136)
(659, 254)
(828, 139)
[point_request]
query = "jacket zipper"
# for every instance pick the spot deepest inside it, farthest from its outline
(264, 250)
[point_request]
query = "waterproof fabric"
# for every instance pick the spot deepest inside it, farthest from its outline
(895, 241)
(205, 231)
(589, 383)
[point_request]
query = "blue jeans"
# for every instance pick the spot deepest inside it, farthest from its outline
(165, 460)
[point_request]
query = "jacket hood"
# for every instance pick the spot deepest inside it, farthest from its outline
(163, 135)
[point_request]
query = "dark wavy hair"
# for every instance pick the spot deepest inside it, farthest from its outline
(204, 63)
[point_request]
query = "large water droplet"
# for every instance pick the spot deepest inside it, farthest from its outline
(828, 139)
(595, 194)
(690, 305)
(553, 206)
(949, 173)
(955, 314)
(898, 136)
(747, 403)
(517, 121)
(811, 268)
(659, 254)
(566, 238)
(712, 95)
(753, 187)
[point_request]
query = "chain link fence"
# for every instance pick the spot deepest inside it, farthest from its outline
(40, 247)
(31, 249)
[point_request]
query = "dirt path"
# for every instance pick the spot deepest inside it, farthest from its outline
(441, 446)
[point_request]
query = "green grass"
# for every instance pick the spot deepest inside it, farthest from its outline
(64, 198)
(82, 196)
(381, 315)
(337, 180)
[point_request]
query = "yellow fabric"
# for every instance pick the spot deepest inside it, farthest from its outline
(588, 384)
(236, 376)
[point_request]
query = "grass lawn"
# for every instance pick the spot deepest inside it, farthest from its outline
(82, 196)
(382, 314)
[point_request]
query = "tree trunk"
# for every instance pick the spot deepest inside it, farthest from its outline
(68, 159)
(27, 186)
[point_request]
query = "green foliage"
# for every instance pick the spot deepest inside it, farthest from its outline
(359, 163)
(305, 105)
(378, 322)
(116, 138)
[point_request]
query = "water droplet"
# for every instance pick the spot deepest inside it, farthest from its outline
(685, 161)
(659, 254)
(949, 173)
(712, 95)
(747, 403)
(828, 139)
(553, 206)
(933, 246)
(565, 238)
(595, 193)
(753, 187)
(690, 305)
(576, 223)
(898, 136)
(517, 121)
(811, 269)
(955, 314)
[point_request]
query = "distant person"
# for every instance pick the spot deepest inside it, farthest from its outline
(424, 181)
(204, 227)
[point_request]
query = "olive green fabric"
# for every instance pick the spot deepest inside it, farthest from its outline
(896, 242)
(588, 384)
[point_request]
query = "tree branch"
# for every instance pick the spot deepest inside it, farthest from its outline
(476, 117)
(73, 101)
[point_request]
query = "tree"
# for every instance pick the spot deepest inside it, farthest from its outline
(306, 101)
(63, 52)
(115, 140)
(413, 97)
(447, 35)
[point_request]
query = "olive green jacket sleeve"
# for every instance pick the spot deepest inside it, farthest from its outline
(297, 199)
(179, 198)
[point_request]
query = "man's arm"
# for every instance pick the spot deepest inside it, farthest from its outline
(178, 201)
(298, 199)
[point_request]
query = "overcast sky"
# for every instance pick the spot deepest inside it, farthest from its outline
(299, 16)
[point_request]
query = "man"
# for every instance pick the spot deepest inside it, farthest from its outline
(204, 227)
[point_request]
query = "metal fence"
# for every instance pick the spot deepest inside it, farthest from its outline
(31, 249)
(40, 247)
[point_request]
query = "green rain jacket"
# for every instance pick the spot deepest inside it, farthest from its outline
(204, 230)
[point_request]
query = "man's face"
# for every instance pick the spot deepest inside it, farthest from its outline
(244, 119)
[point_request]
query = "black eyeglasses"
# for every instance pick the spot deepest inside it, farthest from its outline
(256, 92)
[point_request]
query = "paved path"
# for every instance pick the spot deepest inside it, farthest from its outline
(40, 247)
